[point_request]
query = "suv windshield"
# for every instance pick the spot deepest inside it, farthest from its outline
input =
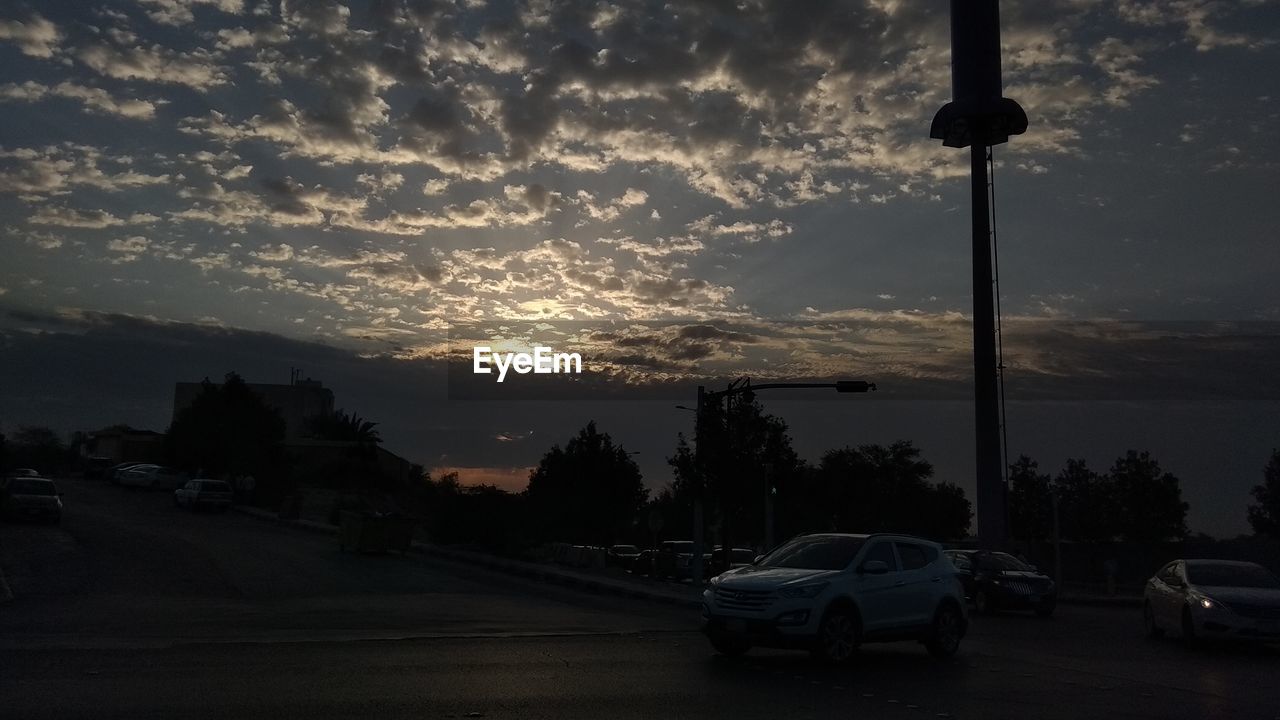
(822, 552)
(1231, 575)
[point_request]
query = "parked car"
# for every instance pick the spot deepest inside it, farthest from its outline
(114, 472)
(199, 493)
(1213, 599)
(829, 593)
(155, 477)
(96, 467)
(646, 563)
(622, 555)
(31, 497)
(995, 581)
(22, 472)
(740, 557)
(674, 559)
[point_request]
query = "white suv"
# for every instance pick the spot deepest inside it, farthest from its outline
(831, 592)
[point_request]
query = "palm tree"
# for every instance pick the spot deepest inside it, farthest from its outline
(346, 428)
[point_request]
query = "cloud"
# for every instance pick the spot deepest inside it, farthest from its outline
(55, 170)
(35, 37)
(86, 219)
(1198, 20)
(179, 12)
(196, 69)
(129, 248)
(95, 100)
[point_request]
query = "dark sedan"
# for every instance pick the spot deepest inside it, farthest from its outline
(999, 581)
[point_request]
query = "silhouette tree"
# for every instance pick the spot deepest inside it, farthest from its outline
(340, 426)
(739, 442)
(1265, 516)
(874, 488)
(589, 491)
(1086, 504)
(40, 448)
(1030, 501)
(227, 428)
(1148, 502)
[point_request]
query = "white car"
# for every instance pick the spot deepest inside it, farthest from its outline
(203, 493)
(155, 477)
(1213, 599)
(829, 593)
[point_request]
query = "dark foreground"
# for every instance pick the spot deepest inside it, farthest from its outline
(134, 609)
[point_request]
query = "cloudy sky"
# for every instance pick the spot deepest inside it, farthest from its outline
(687, 191)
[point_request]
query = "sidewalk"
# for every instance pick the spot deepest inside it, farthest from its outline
(686, 596)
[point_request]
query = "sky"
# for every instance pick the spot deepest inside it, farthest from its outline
(686, 192)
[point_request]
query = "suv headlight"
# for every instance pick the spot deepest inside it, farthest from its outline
(803, 591)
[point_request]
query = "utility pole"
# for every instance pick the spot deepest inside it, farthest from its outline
(1057, 544)
(741, 385)
(978, 117)
(699, 459)
(768, 506)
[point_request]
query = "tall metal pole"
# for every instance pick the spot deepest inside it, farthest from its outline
(695, 569)
(768, 507)
(978, 117)
(1057, 544)
(990, 474)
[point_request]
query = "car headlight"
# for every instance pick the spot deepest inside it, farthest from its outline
(1205, 602)
(803, 591)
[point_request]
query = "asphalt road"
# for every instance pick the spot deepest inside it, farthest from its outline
(133, 608)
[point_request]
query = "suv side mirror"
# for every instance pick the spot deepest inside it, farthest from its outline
(874, 567)
(757, 560)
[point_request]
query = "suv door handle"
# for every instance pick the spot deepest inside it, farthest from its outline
(935, 578)
(900, 583)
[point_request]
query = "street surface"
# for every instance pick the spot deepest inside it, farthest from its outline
(133, 608)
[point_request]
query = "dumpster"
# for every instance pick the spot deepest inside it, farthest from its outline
(374, 532)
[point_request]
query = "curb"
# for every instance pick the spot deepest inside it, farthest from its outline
(511, 567)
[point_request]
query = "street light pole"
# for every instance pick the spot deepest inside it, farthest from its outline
(978, 117)
(986, 408)
(695, 569)
(741, 385)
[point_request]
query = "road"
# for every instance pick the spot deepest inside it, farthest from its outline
(132, 608)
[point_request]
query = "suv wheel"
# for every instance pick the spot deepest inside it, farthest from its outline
(944, 637)
(838, 637)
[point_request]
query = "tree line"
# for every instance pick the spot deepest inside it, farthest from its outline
(741, 466)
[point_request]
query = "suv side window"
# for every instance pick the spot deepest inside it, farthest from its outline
(913, 556)
(882, 551)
